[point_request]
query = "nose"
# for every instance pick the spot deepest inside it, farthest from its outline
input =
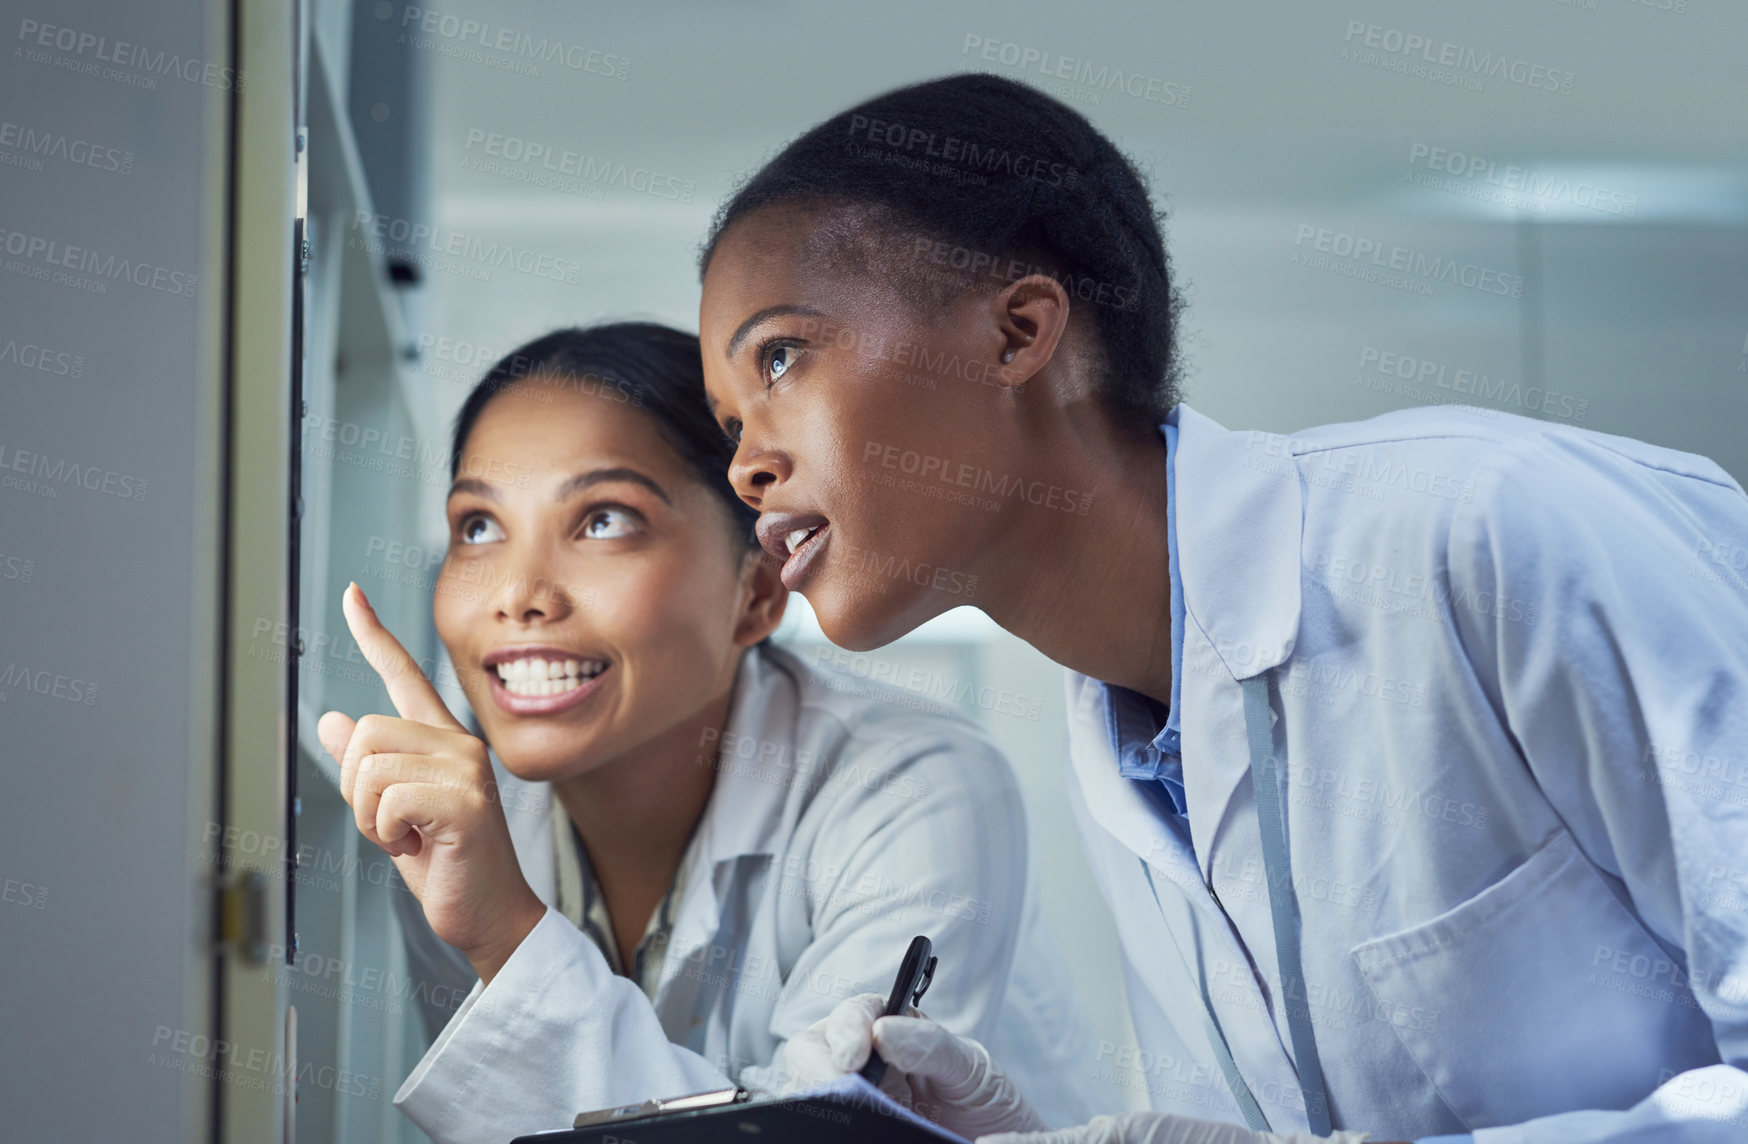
(756, 470)
(527, 593)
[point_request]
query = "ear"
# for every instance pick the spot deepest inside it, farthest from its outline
(763, 600)
(1030, 316)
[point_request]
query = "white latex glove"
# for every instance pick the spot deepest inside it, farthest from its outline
(952, 1079)
(809, 1059)
(947, 1078)
(1161, 1128)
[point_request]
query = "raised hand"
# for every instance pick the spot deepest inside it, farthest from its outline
(422, 788)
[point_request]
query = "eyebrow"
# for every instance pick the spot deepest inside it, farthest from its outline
(571, 487)
(473, 485)
(766, 315)
(600, 476)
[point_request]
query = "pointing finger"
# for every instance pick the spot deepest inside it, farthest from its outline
(409, 690)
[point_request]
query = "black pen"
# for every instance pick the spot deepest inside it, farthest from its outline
(914, 975)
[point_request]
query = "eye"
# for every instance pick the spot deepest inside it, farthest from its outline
(778, 357)
(478, 528)
(731, 429)
(610, 523)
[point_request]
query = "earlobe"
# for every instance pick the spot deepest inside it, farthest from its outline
(766, 599)
(1031, 315)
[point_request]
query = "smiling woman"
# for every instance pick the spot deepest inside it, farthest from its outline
(611, 522)
(702, 843)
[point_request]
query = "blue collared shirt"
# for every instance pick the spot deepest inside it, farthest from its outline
(1145, 736)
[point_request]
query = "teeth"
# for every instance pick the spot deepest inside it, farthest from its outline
(795, 539)
(538, 676)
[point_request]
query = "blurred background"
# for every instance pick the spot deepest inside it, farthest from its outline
(1564, 185)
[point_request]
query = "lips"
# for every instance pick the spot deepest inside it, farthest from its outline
(542, 680)
(795, 538)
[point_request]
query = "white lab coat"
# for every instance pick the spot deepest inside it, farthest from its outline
(843, 822)
(1511, 716)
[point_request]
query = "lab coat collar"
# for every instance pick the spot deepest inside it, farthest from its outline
(1239, 519)
(756, 761)
(757, 767)
(1121, 806)
(1240, 514)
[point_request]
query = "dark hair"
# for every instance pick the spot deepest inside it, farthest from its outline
(656, 368)
(998, 171)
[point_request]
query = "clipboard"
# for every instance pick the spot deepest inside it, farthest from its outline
(849, 1110)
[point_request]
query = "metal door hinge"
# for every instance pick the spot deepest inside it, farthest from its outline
(242, 915)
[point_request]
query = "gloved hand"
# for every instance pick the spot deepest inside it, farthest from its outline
(808, 1059)
(947, 1078)
(1161, 1128)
